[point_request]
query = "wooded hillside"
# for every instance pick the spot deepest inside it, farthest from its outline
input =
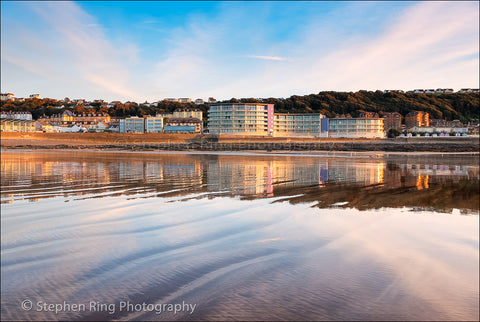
(462, 106)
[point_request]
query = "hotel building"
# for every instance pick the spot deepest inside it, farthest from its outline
(366, 126)
(312, 124)
(241, 119)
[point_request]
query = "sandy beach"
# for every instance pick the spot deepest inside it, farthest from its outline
(192, 142)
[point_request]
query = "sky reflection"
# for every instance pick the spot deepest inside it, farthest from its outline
(441, 182)
(241, 259)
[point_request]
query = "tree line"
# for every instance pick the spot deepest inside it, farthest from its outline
(462, 106)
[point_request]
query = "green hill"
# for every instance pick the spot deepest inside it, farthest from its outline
(462, 106)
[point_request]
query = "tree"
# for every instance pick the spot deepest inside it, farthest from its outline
(392, 133)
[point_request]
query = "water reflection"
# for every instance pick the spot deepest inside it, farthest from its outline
(245, 242)
(441, 182)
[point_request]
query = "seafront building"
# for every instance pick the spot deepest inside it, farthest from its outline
(417, 119)
(311, 124)
(392, 120)
(132, 124)
(8, 125)
(154, 124)
(188, 113)
(183, 125)
(241, 119)
(68, 118)
(161, 123)
(366, 126)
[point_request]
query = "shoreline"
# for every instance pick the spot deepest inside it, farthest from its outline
(225, 143)
(327, 154)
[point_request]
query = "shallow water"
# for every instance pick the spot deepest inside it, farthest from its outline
(240, 237)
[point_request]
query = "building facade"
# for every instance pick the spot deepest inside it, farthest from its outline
(153, 124)
(241, 119)
(132, 124)
(300, 124)
(7, 96)
(362, 127)
(417, 118)
(445, 123)
(188, 113)
(182, 125)
(17, 126)
(392, 120)
(25, 116)
(68, 118)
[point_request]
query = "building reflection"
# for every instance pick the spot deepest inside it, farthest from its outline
(34, 176)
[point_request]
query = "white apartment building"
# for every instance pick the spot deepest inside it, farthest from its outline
(241, 119)
(24, 116)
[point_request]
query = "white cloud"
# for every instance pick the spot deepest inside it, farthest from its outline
(267, 57)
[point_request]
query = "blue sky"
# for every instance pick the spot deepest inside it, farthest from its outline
(147, 51)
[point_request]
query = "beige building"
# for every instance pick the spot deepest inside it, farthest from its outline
(69, 118)
(188, 113)
(17, 126)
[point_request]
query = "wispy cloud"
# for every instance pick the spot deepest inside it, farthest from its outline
(77, 42)
(426, 44)
(419, 49)
(267, 57)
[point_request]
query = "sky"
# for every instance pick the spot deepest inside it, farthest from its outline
(148, 51)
